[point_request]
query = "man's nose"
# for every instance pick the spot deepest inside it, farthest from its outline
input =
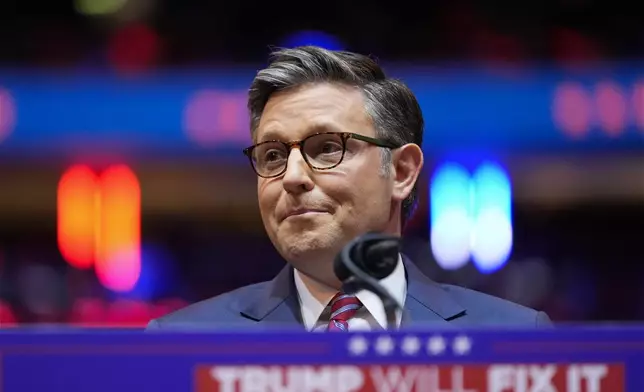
(297, 178)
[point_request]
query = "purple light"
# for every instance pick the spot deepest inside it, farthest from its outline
(572, 109)
(212, 117)
(611, 107)
(7, 114)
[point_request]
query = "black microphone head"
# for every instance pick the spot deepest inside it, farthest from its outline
(374, 254)
(381, 258)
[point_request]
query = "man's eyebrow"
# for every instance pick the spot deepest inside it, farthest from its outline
(270, 135)
(273, 134)
(323, 127)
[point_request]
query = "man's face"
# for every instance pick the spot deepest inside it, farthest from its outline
(333, 206)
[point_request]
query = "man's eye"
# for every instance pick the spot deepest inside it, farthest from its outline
(273, 155)
(331, 147)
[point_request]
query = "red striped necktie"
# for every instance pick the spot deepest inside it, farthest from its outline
(343, 307)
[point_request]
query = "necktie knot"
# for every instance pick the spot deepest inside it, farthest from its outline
(343, 308)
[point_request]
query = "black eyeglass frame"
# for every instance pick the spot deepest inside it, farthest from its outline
(344, 136)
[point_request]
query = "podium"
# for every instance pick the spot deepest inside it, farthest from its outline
(550, 360)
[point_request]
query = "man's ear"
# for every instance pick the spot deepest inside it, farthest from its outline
(408, 162)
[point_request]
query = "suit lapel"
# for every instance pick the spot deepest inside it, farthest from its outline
(276, 303)
(427, 302)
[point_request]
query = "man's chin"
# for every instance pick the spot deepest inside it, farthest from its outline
(295, 251)
(304, 244)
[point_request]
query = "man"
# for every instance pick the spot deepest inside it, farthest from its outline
(337, 154)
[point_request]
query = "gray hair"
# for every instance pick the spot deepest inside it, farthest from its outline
(390, 104)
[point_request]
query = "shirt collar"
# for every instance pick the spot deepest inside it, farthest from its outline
(312, 307)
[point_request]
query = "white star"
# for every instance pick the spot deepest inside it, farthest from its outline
(384, 345)
(410, 345)
(436, 345)
(358, 345)
(462, 345)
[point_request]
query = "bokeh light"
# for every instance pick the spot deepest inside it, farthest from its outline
(611, 107)
(128, 313)
(77, 206)
(99, 219)
(471, 217)
(7, 114)
(134, 48)
(450, 216)
(99, 7)
(7, 318)
(492, 213)
(118, 257)
(572, 109)
(88, 312)
(214, 117)
(313, 37)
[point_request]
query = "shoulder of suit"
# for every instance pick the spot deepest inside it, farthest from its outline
(210, 312)
(484, 306)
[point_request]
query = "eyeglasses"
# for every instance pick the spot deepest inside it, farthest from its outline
(321, 151)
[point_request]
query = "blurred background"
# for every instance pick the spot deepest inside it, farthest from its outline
(124, 193)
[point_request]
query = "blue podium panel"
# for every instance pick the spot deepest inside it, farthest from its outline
(571, 360)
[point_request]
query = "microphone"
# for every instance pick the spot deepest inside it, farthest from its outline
(366, 260)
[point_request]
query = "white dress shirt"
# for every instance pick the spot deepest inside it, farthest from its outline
(316, 309)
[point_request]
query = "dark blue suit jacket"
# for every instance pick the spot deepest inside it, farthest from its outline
(275, 304)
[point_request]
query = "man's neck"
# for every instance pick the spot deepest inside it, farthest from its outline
(321, 291)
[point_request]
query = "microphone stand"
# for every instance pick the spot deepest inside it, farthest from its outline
(359, 279)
